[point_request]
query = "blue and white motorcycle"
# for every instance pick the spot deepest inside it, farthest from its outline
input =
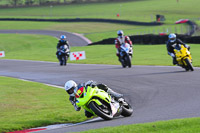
(125, 55)
(63, 54)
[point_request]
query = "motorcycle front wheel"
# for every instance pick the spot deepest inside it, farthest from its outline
(102, 111)
(127, 110)
(189, 64)
(64, 60)
(128, 60)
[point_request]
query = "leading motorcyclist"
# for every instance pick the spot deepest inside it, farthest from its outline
(171, 43)
(71, 87)
(121, 39)
(63, 41)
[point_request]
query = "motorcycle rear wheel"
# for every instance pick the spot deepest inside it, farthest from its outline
(189, 64)
(106, 114)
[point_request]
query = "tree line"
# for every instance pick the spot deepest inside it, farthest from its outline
(48, 2)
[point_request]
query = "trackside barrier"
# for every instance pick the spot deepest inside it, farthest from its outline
(152, 39)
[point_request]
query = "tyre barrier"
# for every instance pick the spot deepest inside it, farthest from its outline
(86, 20)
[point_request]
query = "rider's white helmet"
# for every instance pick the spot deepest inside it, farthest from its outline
(70, 86)
(120, 33)
(172, 37)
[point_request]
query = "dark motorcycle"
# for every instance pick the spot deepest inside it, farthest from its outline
(63, 54)
(125, 55)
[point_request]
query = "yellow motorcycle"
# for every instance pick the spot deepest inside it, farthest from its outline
(183, 57)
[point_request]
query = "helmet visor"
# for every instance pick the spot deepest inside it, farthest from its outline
(70, 91)
(172, 39)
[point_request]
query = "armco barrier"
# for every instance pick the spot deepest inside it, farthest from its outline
(152, 39)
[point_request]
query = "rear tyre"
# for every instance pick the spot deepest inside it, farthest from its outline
(189, 64)
(127, 110)
(101, 111)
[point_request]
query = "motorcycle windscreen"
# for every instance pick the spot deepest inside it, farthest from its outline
(79, 92)
(177, 47)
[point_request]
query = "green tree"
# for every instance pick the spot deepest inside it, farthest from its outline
(29, 2)
(15, 2)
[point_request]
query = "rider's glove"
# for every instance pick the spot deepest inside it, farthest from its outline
(172, 55)
(90, 83)
(187, 46)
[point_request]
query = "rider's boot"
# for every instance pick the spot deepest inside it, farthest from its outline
(114, 94)
(175, 61)
(61, 63)
(88, 114)
(121, 100)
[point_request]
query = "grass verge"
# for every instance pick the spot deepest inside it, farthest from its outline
(26, 105)
(140, 10)
(93, 30)
(43, 48)
(189, 125)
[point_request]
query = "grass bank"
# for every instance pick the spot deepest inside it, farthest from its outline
(93, 31)
(25, 105)
(143, 10)
(189, 125)
(43, 48)
(140, 10)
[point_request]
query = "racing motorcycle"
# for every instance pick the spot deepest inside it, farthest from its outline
(63, 54)
(100, 103)
(183, 57)
(125, 55)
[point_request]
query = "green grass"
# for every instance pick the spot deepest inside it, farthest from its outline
(43, 48)
(28, 104)
(143, 10)
(189, 125)
(93, 31)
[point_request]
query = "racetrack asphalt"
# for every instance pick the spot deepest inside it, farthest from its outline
(155, 92)
(73, 38)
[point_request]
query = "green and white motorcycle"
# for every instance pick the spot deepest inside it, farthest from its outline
(100, 103)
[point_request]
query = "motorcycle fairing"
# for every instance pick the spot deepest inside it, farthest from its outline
(89, 94)
(125, 48)
(182, 53)
(79, 92)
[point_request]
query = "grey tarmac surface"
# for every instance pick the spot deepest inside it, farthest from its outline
(155, 92)
(73, 38)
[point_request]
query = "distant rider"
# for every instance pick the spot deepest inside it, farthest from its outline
(71, 87)
(63, 41)
(121, 39)
(171, 43)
